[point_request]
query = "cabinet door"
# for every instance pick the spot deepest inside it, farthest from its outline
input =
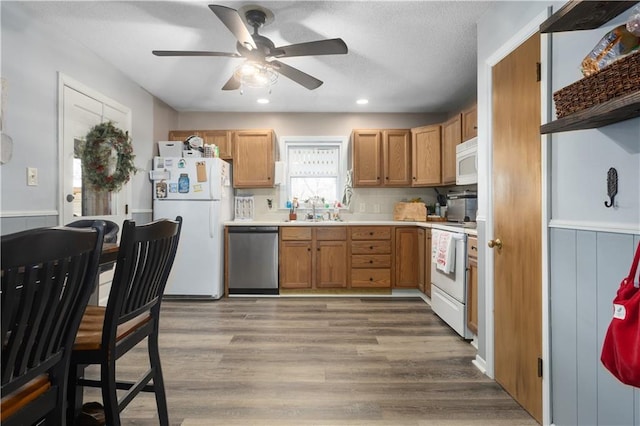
(181, 135)
(469, 123)
(220, 138)
(406, 258)
(295, 264)
(421, 258)
(331, 264)
(451, 137)
(396, 157)
(366, 158)
(472, 285)
(253, 163)
(426, 147)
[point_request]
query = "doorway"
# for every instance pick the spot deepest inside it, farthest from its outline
(80, 109)
(517, 219)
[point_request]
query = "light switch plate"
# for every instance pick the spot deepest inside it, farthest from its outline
(32, 176)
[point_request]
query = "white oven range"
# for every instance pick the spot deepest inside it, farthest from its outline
(449, 290)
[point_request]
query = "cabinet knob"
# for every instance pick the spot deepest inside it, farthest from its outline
(387, 177)
(370, 233)
(371, 261)
(309, 249)
(414, 178)
(318, 249)
(371, 279)
(370, 247)
(495, 243)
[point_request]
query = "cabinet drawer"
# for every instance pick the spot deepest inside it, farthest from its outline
(370, 278)
(371, 261)
(472, 247)
(333, 233)
(295, 233)
(371, 247)
(370, 233)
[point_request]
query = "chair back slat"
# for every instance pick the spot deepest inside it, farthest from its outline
(48, 275)
(145, 259)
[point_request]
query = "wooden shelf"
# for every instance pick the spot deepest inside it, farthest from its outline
(584, 15)
(613, 111)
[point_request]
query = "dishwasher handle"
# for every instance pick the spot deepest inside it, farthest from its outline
(253, 229)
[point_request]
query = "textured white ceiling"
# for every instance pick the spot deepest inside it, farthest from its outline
(404, 56)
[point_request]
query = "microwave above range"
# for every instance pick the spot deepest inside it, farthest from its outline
(467, 162)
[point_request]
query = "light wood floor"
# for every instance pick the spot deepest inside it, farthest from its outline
(316, 361)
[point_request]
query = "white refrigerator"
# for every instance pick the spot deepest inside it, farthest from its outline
(199, 190)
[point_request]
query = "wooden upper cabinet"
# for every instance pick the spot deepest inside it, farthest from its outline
(470, 123)
(253, 159)
(451, 137)
(382, 157)
(220, 138)
(396, 157)
(366, 158)
(426, 149)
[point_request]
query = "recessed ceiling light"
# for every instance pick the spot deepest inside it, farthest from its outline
(263, 101)
(362, 101)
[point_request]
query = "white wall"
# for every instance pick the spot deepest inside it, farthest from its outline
(581, 159)
(32, 56)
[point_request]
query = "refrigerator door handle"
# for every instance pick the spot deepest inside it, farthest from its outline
(211, 217)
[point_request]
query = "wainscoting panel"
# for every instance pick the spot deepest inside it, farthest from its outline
(586, 270)
(11, 224)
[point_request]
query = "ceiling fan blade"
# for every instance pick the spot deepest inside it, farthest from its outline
(232, 20)
(334, 46)
(296, 75)
(232, 84)
(193, 53)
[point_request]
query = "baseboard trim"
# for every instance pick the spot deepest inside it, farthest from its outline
(480, 364)
(28, 213)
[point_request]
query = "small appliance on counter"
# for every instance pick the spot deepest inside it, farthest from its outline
(462, 206)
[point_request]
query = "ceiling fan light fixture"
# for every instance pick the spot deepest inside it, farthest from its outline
(362, 101)
(263, 101)
(256, 74)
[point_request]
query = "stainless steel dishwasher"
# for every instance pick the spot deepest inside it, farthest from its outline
(253, 260)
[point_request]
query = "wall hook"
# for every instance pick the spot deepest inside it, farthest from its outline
(612, 187)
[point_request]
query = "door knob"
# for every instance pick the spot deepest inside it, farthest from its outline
(495, 243)
(70, 197)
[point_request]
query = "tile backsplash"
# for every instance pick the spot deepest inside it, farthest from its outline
(366, 203)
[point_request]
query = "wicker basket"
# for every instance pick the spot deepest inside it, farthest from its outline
(618, 79)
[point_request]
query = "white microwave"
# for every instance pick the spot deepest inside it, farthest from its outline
(467, 162)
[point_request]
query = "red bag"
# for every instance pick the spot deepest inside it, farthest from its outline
(621, 348)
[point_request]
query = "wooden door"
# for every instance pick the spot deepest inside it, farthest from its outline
(253, 162)
(451, 137)
(331, 264)
(426, 147)
(366, 158)
(396, 157)
(517, 223)
(295, 264)
(220, 138)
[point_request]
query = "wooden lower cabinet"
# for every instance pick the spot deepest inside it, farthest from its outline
(472, 285)
(313, 257)
(371, 248)
(407, 254)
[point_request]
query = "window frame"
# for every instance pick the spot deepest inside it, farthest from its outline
(313, 142)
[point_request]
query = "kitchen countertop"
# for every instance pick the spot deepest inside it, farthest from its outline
(446, 226)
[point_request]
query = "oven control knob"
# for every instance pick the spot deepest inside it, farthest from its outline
(495, 243)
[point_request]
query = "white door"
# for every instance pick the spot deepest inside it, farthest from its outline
(81, 109)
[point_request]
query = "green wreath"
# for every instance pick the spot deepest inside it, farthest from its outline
(97, 157)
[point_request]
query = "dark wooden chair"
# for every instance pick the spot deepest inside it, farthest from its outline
(131, 316)
(48, 275)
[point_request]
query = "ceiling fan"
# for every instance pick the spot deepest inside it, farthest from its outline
(262, 66)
